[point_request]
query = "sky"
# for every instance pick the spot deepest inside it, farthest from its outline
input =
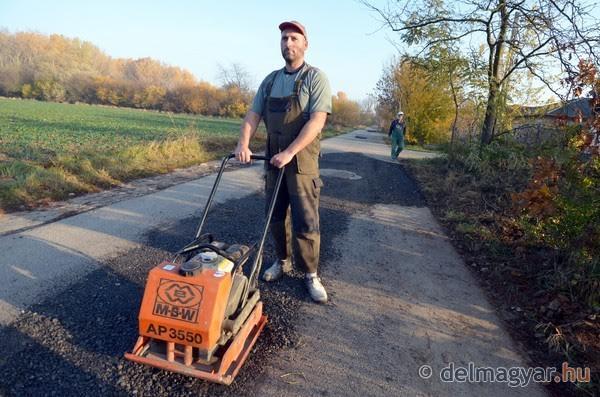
(345, 38)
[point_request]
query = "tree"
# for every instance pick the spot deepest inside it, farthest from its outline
(409, 86)
(344, 111)
(235, 102)
(367, 110)
(79, 87)
(150, 97)
(426, 103)
(235, 75)
(387, 92)
(9, 79)
(533, 32)
(48, 90)
(449, 68)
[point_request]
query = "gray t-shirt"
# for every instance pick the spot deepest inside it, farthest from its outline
(315, 93)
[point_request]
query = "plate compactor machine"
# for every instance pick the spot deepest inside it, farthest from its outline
(201, 314)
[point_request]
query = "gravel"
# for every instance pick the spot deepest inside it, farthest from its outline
(73, 343)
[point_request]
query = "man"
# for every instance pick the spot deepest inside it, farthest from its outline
(294, 103)
(397, 130)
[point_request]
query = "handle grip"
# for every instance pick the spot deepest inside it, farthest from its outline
(253, 157)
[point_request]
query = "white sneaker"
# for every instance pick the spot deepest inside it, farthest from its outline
(276, 269)
(315, 289)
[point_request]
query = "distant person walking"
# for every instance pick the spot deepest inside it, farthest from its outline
(397, 130)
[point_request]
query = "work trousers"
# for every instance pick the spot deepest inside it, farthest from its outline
(299, 193)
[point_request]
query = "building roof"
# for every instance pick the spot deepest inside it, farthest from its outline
(573, 108)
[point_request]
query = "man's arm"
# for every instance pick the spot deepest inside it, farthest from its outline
(247, 131)
(308, 133)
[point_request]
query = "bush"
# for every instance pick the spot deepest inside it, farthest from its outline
(48, 90)
(560, 208)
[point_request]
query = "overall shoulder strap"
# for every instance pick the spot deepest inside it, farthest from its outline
(300, 80)
(271, 80)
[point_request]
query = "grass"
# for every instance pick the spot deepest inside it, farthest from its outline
(426, 148)
(49, 151)
(416, 147)
(32, 130)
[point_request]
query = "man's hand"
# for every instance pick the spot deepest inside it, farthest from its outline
(282, 158)
(242, 153)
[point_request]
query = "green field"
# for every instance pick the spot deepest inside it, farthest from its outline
(48, 150)
(31, 129)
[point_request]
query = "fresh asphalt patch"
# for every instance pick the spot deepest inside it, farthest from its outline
(73, 343)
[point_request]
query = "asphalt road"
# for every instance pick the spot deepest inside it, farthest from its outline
(400, 296)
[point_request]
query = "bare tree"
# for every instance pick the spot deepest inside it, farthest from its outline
(235, 75)
(516, 34)
(387, 93)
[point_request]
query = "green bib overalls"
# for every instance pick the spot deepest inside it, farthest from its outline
(301, 186)
(398, 139)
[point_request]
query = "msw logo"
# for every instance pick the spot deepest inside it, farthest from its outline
(181, 313)
(178, 300)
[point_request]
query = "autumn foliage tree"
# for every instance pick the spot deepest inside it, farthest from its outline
(345, 112)
(427, 104)
(515, 36)
(56, 68)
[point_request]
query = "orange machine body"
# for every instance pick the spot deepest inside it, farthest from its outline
(187, 313)
(186, 310)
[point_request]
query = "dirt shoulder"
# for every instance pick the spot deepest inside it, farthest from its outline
(549, 326)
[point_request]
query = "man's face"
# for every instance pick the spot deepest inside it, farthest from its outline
(293, 45)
